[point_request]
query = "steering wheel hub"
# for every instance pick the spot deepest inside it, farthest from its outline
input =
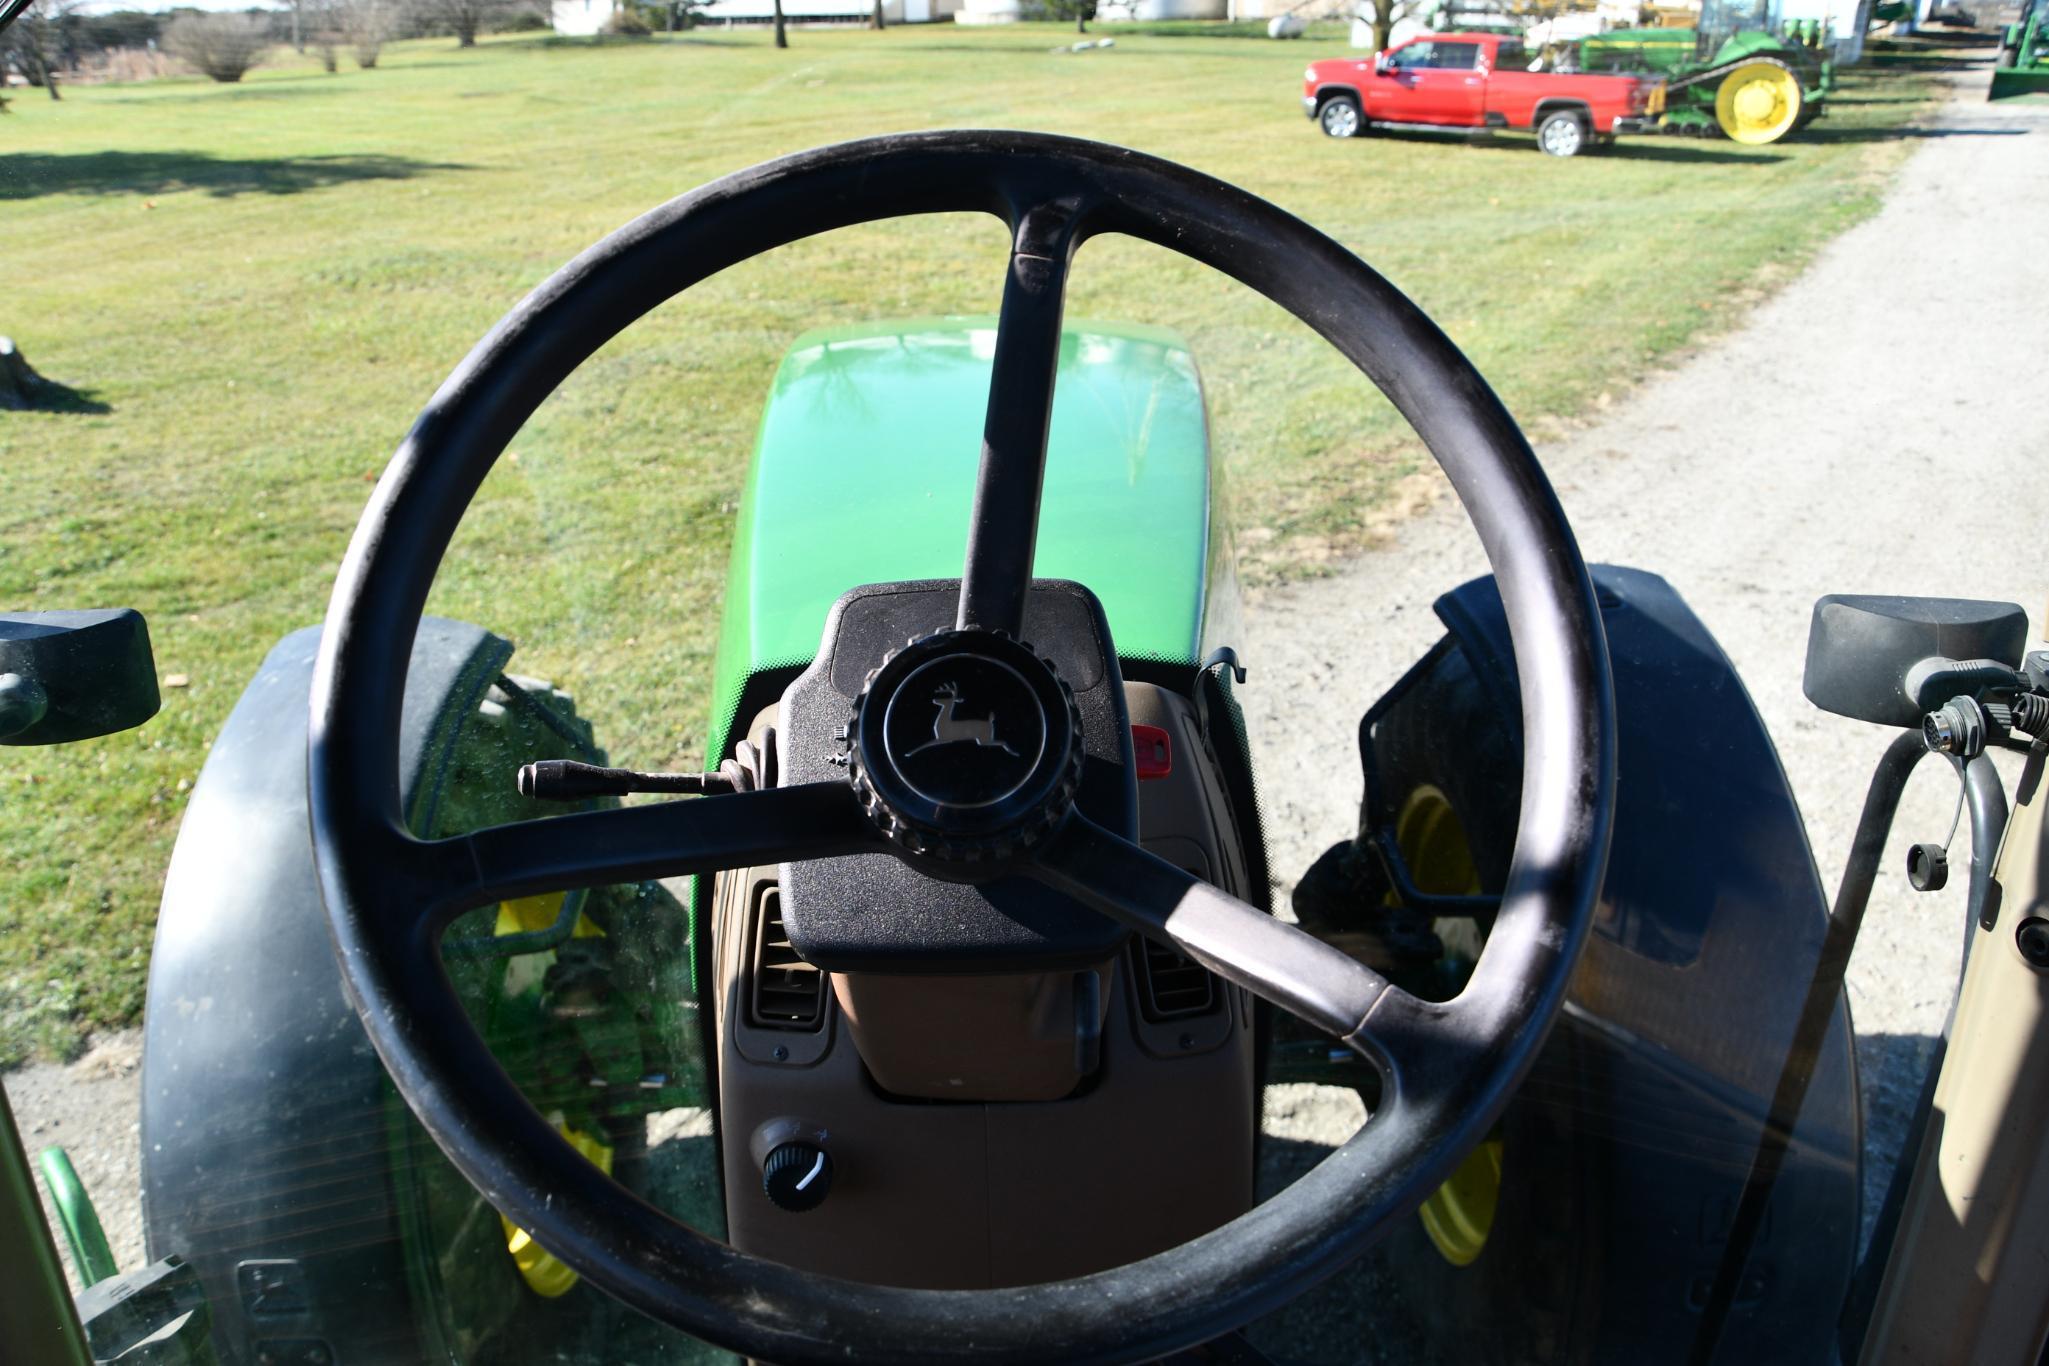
(965, 746)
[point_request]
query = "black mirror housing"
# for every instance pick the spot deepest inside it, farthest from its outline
(1860, 649)
(68, 676)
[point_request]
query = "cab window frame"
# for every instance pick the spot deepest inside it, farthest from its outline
(1414, 56)
(1444, 46)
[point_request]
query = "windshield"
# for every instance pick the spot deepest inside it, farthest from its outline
(243, 249)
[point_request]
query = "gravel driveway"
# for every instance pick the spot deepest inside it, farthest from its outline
(1869, 430)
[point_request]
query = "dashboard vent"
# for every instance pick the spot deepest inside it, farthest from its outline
(789, 993)
(1170, 985)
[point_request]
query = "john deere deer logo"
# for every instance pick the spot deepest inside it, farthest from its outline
(949, 729)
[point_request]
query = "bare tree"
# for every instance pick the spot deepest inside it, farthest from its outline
(682, 14)
(465, 18)
(1384, 13)
(322, 31)
(366, 25)
(38, 42)
(222, 46)
(1081, 11)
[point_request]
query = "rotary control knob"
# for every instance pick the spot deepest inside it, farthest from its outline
(797, 1176)
(965, 746)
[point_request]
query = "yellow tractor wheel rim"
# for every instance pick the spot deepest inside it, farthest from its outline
(543, 1273)
(1758, 103)
(1459, 1214)
(1434, 846)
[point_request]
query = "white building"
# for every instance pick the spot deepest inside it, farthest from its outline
(1162, 9)
(808, 11)
(1306, 10)
(581, 18)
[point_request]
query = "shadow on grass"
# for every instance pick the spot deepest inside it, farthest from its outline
(1690, 151)
(1937, 59)
(31, 175)
(1939, 36)
(1824, 134)
(1929, 63)
(46, 395)
(697, 37)
(1701, 152)
(273, 85)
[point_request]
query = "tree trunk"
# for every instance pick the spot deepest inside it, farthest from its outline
(1081, 22)
(18, 380)
(298, 33)
(466, 30)
(781, 38)
(876, 21)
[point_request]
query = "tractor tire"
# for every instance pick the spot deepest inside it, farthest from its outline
(1563, 134)
(1521, 1292)
(1339, 117)
(280, 1159)
(1589, 1234)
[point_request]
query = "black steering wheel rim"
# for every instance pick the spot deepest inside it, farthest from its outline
(388, 894)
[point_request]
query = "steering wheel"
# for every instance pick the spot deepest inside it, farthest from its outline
(1446, 1068)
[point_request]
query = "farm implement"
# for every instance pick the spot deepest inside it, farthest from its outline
(2023, 65)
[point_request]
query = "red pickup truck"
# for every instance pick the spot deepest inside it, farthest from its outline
(1475, 80)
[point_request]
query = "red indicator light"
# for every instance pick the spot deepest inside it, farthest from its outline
(1154, 750)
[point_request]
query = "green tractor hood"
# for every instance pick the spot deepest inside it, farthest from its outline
(864, 472)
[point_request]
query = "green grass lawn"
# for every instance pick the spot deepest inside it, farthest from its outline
(251, 289)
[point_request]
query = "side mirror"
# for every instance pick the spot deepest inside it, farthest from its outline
(1862, 651)
(1380, 64)
(68, 676)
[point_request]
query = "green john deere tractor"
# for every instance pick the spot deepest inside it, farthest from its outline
(2023, 66)
(931, 1024)
(1747, 70)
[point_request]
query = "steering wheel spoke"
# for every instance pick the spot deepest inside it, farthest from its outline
(1270, 958)
(1005, 523)
(636, 843)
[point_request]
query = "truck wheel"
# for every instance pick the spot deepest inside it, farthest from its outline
(1340, 118)
(1562, 134)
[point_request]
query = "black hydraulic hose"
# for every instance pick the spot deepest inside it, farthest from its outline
(1881, 804)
